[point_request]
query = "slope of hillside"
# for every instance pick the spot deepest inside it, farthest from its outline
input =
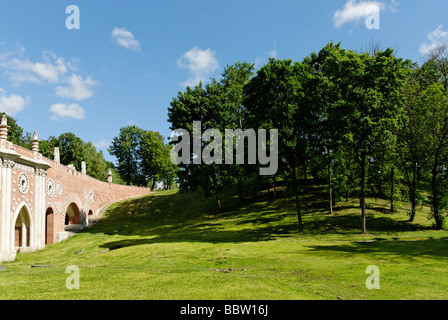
(173, 245)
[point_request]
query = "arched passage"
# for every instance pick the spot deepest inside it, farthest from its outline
(73, 218)
(22, 229)
(49, 226)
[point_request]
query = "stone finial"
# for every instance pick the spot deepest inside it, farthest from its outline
(57, 157)
(83, 167)
(4, 128)
(35, 145)
(109, 175)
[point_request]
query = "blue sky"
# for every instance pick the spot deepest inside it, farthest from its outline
(128, 59)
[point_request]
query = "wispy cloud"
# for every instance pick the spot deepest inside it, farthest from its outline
(125, 38)
(78, 88)
(438, 40)
(52, 70)
(103, 143)
(61, 110)
(13, 103)
(21, 70)
(354, 11)
(200, 63)
(263, 59)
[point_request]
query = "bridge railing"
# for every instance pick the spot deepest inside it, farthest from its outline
(64, 168)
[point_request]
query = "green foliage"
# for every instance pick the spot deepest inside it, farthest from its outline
(212, 107)
(155, 159)
(142, 156)
(126, 148)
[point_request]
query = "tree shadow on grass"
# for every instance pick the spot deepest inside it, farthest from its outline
(351, 223)
(189, 217)
(434, 248)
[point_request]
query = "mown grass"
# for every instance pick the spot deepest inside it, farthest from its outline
(172, 245)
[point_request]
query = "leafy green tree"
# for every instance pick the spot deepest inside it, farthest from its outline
(234, 78)
(16, 134)
(211, 106)
(411, 138)
(276, 98)
(126, 148)
(368, 108)
(155, 159)
(71, 149)
(96, 166)
(433, 102)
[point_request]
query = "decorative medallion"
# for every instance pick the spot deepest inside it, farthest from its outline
(23, 183)
(91, 195)
(51, 189)
(86, 194)
(59, 189)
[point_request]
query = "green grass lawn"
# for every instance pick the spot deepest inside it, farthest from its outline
(172, 245)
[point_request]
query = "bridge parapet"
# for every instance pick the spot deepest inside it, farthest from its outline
(42, 199)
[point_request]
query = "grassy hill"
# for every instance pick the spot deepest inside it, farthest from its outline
(172, 245)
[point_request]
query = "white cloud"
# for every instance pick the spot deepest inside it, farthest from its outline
(125, 38)
(103, 143)
(78, 89)
(259, 61)
(61, 110)
(439, 40)
(273, 52)
(200, 63)
(354, 11)
(12, 104)
(20, 70)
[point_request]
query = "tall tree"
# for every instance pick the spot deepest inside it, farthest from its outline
(126, 148)
(211, 107)
(369, 102)
(71, 148)
(276, 99)
(154, 157)
(434, 103)
(96, 165)
(234, 78)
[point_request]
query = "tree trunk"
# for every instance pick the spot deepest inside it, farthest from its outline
(392, 189)
(435, 202)
(240, 188)
(128, 175)
(153, 184)
(305, 169)
(330, 187)
(297, 198)
(275, 190)
(218, 202)
(363, 192)
(413, 192)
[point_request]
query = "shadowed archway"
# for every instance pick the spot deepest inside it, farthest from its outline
(22, 229)
(73, 221)
(49, 226)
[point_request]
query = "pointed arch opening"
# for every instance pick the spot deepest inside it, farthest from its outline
(49, 226)
(22, 229)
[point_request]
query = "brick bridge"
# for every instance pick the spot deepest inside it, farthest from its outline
(41, 200)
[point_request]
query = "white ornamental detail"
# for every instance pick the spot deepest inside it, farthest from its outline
(59, 189)
(23, 183)
(51, 189)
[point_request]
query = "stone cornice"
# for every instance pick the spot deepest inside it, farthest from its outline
(15, 157)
